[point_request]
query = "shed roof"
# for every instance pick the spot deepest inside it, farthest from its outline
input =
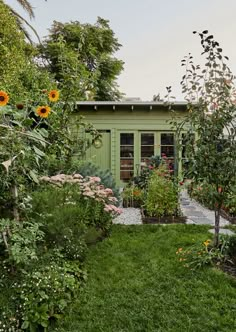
(133, 105)
(129, 103)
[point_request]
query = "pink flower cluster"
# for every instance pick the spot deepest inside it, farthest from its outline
(89, 187)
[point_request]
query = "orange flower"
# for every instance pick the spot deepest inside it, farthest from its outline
(4, 98)
(43, 111)
(179, 250)
(53, 95)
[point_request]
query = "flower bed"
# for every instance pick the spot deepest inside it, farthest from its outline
(163, 219)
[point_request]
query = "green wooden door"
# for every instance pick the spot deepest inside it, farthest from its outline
(101, 156)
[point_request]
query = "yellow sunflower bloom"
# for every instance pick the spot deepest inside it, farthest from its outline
(43, 111)
(4, 98)
(53, 95)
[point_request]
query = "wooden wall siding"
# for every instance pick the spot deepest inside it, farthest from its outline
(124, 121)
(101, 156)
(113, 152)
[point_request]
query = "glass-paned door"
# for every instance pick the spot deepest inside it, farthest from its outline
(146, 147)
(126, 156)
(168, 148)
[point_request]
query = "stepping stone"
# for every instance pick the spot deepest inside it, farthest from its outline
(223, 231)
(190, 222)
(185, 203)
(195, 214)
(201, 221)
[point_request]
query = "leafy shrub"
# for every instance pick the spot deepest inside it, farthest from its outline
(151, 165)
(203, 193)
(132, 196)
(142, 179)
(204, 253)
(46, 292)
(90, 169)
(40, 293)
(64, 226)
(230, 203)
(162, 194)
(82, 203)
(20, 241)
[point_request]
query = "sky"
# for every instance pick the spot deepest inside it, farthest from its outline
(155, 35)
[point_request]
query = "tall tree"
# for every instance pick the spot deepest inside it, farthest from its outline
(20, 76)
(93, 48)
(26, 5)
(211, 102)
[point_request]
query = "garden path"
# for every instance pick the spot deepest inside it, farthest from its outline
(195, 213)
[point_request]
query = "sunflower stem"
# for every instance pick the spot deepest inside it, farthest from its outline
(14, 192)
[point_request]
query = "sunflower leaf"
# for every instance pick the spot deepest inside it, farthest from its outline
(35, 136)
(43, 132)
(38, 151)
(33, 176)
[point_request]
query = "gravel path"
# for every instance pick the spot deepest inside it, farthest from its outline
(129, 216)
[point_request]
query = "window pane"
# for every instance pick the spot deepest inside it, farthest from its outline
(126, 151)
(147, 139)
(167, 139)
(126, 164)
(126, 156)
(167, 150)
(147, 151)
(126, 139)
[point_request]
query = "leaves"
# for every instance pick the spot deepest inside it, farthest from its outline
(33, 176)
(38, 151)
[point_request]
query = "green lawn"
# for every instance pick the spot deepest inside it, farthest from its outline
(136, 283)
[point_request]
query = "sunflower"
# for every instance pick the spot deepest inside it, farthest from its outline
(4, 98)
(43, 111)
(53, 95)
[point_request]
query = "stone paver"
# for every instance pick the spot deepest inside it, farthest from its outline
(196, 213)
(223, 231)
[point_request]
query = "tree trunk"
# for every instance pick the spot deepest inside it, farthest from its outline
(217, 227)
(14, 192)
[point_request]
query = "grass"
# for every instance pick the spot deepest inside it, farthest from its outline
(136, 283)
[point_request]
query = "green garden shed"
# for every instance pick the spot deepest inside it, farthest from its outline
(131, 132)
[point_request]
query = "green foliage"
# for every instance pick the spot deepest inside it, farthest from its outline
(20, 241)
(133, 196)
(12, 51)
(64, 227)
(141, 180)
(203, 193)
(107, 179)
(23, 146)
(210, 95)
(162, 194)
(230, 203)
(46, 292)
(206, 195)
(135, 271)
(87, 58)
(205, 253)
